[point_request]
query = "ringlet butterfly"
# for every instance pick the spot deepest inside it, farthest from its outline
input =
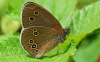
(41, 31)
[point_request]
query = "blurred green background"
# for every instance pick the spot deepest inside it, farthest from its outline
(82, 45)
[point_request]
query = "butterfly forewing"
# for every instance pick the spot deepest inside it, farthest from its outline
(35, 15)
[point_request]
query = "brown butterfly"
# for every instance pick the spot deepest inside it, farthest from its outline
(41, 31)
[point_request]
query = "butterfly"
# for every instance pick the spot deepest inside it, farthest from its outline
(41, 30)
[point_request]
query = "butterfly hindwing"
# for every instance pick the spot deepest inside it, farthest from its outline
(39, 40)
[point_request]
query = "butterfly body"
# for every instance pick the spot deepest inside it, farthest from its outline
(41, 31)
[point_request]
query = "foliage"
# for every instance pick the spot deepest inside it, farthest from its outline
(82, 45)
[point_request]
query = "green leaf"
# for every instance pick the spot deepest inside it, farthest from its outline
(85, 21)
(89, 52)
